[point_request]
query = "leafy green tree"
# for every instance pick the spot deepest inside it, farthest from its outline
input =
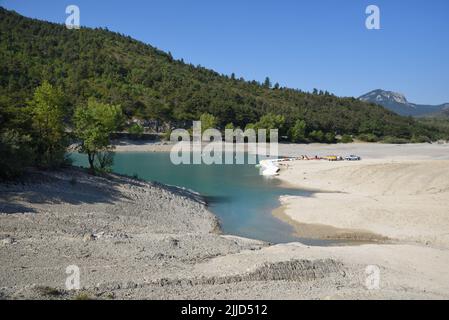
(421, 139)
(47, 114)
(230, 126)
(94, 124)
(317, 136)
(298, 131)
(368, 137)
(136, 130)
(329, 137)
(371, 126)
(208, 121)
(271, 121)
(346, 138)
(250, 126)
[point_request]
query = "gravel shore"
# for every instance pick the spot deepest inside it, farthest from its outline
(138, 240)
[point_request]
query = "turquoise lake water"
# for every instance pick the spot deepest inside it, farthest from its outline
(241, 198)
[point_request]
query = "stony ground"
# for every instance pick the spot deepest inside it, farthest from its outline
(138, 240)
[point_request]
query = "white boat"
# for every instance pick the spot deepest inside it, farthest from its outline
(268, 167)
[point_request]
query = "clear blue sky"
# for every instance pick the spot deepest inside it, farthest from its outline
(301, 44)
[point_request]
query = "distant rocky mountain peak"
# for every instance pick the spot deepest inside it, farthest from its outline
(384, 96)
(398, 103)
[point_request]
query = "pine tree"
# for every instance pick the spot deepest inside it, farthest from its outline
(267, 83)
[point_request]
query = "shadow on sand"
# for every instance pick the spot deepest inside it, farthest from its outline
(69, 186)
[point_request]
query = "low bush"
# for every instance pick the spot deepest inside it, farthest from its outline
(368, 137)
(16, 153)
(420, 139)
(346, 138)
(394, 140)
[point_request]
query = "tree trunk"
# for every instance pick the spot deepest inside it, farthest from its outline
(91, 157)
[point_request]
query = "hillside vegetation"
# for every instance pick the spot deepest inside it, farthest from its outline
(149, 83)
(47, 68)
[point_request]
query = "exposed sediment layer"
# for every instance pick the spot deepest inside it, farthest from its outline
(138, 240)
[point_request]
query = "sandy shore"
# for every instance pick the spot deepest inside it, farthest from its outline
(159, 146)
(397, 197)
(124, 145)
(137, 240)
(388, 195)
(366, 150)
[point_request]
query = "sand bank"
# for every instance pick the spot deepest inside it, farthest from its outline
(137, 240)
(401, 194)
(420, 151)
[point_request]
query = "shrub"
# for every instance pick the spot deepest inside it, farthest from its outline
(49, 291)
(421, 139)
(298, 131)
(250, 126)
(394, 140)
(166, 135)
(105, 160)
(329, 137)
(16, 153)
(230, 126)
(136, 130)
(271, 121)
(317, 136)
(82, 296)
(368, 137)
(346, 138)
(208, 121)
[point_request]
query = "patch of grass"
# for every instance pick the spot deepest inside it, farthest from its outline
(110, 295)
(82, 296)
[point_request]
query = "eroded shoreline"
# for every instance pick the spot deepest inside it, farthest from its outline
(341, 236)
(392, 198)
(138, 240)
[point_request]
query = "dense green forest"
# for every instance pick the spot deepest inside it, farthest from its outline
(150, 84)
(49, 73)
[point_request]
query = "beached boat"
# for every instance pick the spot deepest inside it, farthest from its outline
(268, 167)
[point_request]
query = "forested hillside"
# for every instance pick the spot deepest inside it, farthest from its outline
(149, 84)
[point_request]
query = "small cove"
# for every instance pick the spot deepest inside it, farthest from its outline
(242, 199)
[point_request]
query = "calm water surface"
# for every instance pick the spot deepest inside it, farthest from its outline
(241, 198)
